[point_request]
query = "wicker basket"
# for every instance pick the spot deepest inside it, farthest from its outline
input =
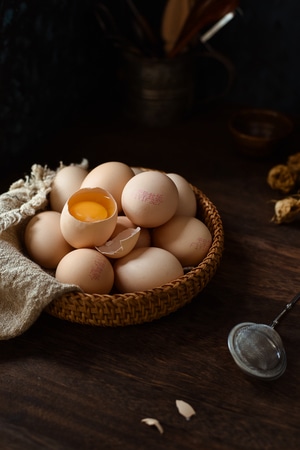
(145, 306)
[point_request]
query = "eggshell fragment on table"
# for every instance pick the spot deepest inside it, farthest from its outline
(153, 422)
(185, 409)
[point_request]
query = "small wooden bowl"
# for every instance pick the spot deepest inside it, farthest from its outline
(259, 132)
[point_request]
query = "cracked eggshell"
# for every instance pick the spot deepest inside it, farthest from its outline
(188, 238)
(122, 224)
(149, 199)
(111, 176)
(144, 237)
(121, 244)
(146, 268)
(80, 233)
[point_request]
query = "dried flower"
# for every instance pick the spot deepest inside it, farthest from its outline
(281, 178)
(286, 209)
(293, 163)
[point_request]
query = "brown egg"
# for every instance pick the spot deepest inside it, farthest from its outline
(188, 238)
(44, 241)
(187, 204)
(150, 199)
(146, 268)
(88, 269)
(111, 176)
(144, 239)
(67, 181)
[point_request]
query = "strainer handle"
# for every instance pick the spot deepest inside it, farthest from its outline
(288, 306)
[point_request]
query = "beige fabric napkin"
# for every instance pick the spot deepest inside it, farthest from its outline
(25, 288)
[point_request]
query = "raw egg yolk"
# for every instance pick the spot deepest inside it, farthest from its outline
(88, 211)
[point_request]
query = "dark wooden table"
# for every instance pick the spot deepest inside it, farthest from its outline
(68, 386)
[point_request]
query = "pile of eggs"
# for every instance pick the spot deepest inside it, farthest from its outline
(117, 228)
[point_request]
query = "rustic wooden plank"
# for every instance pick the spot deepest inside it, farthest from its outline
(68, 386)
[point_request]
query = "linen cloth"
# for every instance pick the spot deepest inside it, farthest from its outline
(25, 288)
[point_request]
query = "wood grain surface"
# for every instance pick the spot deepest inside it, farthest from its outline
(65, 386)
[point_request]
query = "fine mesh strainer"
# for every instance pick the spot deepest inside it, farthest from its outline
(258, 349)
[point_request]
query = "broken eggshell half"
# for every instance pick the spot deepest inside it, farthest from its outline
(121, 244)
(89, 229)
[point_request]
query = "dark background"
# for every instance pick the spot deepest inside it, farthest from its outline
(55, 63)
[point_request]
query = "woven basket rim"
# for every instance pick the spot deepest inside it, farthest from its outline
(99, 309)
